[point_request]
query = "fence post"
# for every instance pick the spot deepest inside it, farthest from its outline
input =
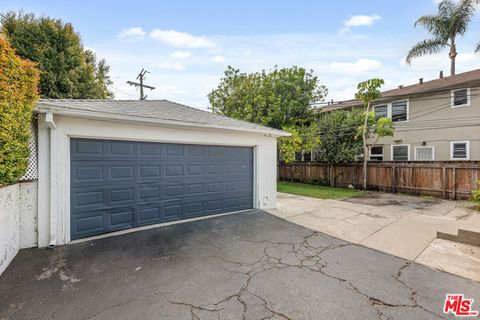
(354, 183)
(444, 182)
(394, 179)
(414, 181)
(330, 169)
(333, 176)
(454, 184)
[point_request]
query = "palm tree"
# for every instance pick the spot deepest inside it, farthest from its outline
(452, 20)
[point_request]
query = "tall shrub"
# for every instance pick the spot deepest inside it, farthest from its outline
(68, 69)
(18, 94)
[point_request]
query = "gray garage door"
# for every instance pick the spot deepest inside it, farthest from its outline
(122, 184)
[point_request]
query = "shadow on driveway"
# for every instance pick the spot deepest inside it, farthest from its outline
(249, 265)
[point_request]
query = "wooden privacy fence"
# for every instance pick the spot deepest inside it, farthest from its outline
(445, 179)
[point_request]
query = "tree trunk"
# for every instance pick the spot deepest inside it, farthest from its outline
(365, 148)
(452, 55)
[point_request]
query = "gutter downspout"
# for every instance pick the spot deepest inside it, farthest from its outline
(53, 178)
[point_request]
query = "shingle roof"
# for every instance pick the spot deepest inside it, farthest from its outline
(150, 111)
(440, 84)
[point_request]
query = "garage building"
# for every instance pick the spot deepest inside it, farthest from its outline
(109, 165)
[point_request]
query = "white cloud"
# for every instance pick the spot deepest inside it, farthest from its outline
(361, 20)
(180, 54)
(137, 33)
(345, 30)
(340, 65)
(180, 39)
(359, 66)
(218, 59)
(169, 65)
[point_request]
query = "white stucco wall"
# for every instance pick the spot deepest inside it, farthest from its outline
(18, 220)
(9, 225)
(54, 162)
(28, 214)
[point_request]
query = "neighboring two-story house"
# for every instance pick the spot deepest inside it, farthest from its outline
(434, 120)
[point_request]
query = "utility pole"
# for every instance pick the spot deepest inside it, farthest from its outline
(140, 78)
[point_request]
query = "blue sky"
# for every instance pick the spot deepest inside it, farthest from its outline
(186, 45)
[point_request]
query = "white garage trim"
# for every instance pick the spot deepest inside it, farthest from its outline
(54, 162)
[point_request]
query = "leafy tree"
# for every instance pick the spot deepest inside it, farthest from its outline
(341, 134)
(339, 141)
(288, 146)
(378, 128)
(67, 69)
(300, 140)
(279, 98)
(18, 94)
(452, 20)
(369, 91)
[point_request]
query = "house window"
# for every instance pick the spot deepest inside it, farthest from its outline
(425, 153)
(307, 156)
(459, 150)
(376, 153)
(381, 111)
(399, 111)
(303, 156)
(400, 152)
(460, 97)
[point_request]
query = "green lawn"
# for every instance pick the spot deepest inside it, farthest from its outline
(310, 190)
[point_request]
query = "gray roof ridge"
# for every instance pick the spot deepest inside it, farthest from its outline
(192, 119)
(221, 115)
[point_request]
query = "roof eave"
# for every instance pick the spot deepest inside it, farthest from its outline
(44, 108)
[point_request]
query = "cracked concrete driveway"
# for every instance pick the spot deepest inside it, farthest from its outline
(249, 265)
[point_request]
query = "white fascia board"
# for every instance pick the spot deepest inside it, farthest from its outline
(124, 118)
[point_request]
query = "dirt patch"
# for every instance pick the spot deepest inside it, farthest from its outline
(379, 199)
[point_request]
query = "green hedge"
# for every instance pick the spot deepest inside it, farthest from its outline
(18, 94)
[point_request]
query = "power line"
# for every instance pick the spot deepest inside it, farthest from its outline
(436, 109)
(447, 92)
(424, 124)
(141, 77)
(122, 92)
(446, 104)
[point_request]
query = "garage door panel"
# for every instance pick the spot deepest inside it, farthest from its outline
(172, 170)
(149, 193)
(194, 189)
(150, 149)
(195, 150)
(121, 172)
(195, 208)
(88, 173)
(122, 184)
(121, 148)
(195, 170)
(88, 148)
(88, 222)
(173, 209)
(120, 217)
(149, 171)
(149, 212)
(175, 150)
